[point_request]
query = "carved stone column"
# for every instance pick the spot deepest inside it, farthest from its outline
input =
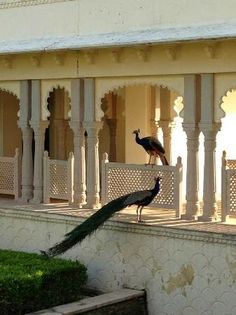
(39, 135)
(27, 136)
(167, 127)
(192, 109)
(93, 180)
(27, 164)
(192, 182)
(79, 164)
(209, 185)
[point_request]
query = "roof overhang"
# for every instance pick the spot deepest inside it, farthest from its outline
(142, 37)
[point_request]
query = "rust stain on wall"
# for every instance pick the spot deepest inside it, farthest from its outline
(184, 277)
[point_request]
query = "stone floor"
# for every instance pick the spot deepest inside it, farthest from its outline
(150, 216)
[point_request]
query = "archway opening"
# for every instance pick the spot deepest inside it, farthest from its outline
(226, 135)
(10, 134)
(59, 136)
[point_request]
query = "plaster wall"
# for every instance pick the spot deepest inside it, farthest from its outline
(131, 15)
(183, 272)
(36, 21)
(47, 18)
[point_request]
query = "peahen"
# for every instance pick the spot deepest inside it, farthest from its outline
(152, 146)
(140, 198)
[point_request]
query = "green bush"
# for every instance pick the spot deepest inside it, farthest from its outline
(30, 282)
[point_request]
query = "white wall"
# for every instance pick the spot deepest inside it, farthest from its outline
(105, 16)
(183, 272)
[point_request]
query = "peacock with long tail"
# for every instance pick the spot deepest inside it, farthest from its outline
(140, 198)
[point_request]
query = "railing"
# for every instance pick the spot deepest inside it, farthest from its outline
(58, 178)
(10, 175)
(228, 188)
(119, 179)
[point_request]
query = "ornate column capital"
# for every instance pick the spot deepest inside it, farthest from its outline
(210, 129)
(93, 125)
(76, 126)
(42, 124)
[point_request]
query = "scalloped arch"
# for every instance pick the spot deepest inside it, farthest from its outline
(223, 83)
(222, 100)
(48, 87)
(14, 90)
(105, 85)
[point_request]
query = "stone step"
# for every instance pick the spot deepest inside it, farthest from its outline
(122, 302)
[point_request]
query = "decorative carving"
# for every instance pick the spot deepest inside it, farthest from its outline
(211, 49)
(7, 62)
(89, 56)
(23, 3)
(143, 53)
(105, 86)
(116, 54)
(172, 51)
(59, 59)
(35, 60)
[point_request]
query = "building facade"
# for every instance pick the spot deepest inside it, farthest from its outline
(79, 76)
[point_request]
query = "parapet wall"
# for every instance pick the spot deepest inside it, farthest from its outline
(183, 271)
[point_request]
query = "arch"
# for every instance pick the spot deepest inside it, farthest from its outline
(105, 85)
(59, 136)
(10, 135)
(47, 86)
(11, 87)
(223, 83)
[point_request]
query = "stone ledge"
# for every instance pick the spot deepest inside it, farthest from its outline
(92, 303)
(185, 233)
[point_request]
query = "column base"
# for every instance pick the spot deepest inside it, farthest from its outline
(192, 217)
(213, 218)
(192, 211)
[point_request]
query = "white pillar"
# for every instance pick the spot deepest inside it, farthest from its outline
(209, 184)
(39, 135)
(77, 116)
(165, 121)
(39, 126)
(190, 126)
(92, 127)
(93, 179)
(192, 182)
(209, 128)
(167, 128)
(79, 165)
(27, 136)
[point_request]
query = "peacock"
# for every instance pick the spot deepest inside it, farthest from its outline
(140, 198)
(152, 146)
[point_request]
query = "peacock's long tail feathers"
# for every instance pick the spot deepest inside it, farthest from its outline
(164, 160)
(86, 228)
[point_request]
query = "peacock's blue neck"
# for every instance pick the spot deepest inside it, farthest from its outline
(137, 139)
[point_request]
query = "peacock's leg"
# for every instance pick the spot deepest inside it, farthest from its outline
(140, 214)
(137, 213)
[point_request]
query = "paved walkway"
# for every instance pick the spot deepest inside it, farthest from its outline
(150, 216)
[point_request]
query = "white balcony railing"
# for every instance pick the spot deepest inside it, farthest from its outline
(10, 175)
(58, 178)
(119, 179)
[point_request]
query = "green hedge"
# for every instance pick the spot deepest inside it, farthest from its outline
(30, 282)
